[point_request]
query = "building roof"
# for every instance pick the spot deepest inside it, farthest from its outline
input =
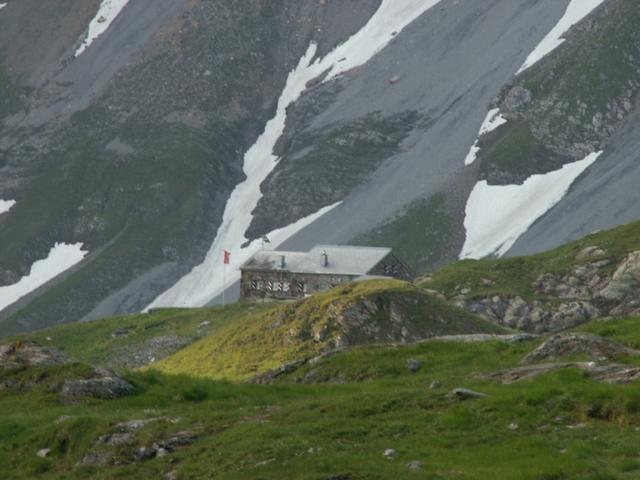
(342, 260)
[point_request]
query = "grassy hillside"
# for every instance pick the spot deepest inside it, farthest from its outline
(127, 341)
(515, 276)
(380, 311)
(561, 425)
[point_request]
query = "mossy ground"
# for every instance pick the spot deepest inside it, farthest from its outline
(98, 342)
(559, 426)
(266, 340)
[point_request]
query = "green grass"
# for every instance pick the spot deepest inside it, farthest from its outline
(625, 330)
(568, 426)
(264, 341)
(514, 276)
(106, 342)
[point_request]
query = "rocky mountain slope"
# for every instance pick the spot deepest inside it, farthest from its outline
(138, 139)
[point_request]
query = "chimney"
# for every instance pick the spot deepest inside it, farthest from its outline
(325, 258)
(282, 261)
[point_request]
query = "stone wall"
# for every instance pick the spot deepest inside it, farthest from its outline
(282, 285)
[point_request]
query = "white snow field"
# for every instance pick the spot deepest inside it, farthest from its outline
(576, 11)
(5, 205)
(496, 215)
(2, 5)
(205, 281)
(61, 257)
(107, 13)
(492, 121)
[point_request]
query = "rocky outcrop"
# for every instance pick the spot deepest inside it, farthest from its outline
(614, 373)
(29, 354)
(272, 375)
(623, 291)
(119, 445)
(104, 384)
(20, 356)
(535, 316)
(567, 344)
(564, 300)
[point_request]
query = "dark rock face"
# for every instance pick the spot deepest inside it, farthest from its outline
(320, 167)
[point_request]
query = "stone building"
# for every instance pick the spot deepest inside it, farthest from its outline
(289, 275)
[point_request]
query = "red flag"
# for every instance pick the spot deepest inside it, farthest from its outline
(227, 257)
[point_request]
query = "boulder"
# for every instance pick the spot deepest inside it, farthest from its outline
(43, 452)
(464, 394)
(271, 375)
(625, 283)
(104, 384)
(413, 365)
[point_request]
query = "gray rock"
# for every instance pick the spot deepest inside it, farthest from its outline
(43, 452)
(104, 385)
(464, 394)
(390, 453)
(162, 452)
(415, 466)
(590, 252)
(413, 365)
(146, 453)
(625, 283)
(435, 384)
(271, 375)
(172, 475)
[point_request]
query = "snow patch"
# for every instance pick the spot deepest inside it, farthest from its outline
(492, 121)
(497, 215)
(5, 205)
(61, 257)
(2, 5)
(205, 281)
(576, 11)
(107, 13)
